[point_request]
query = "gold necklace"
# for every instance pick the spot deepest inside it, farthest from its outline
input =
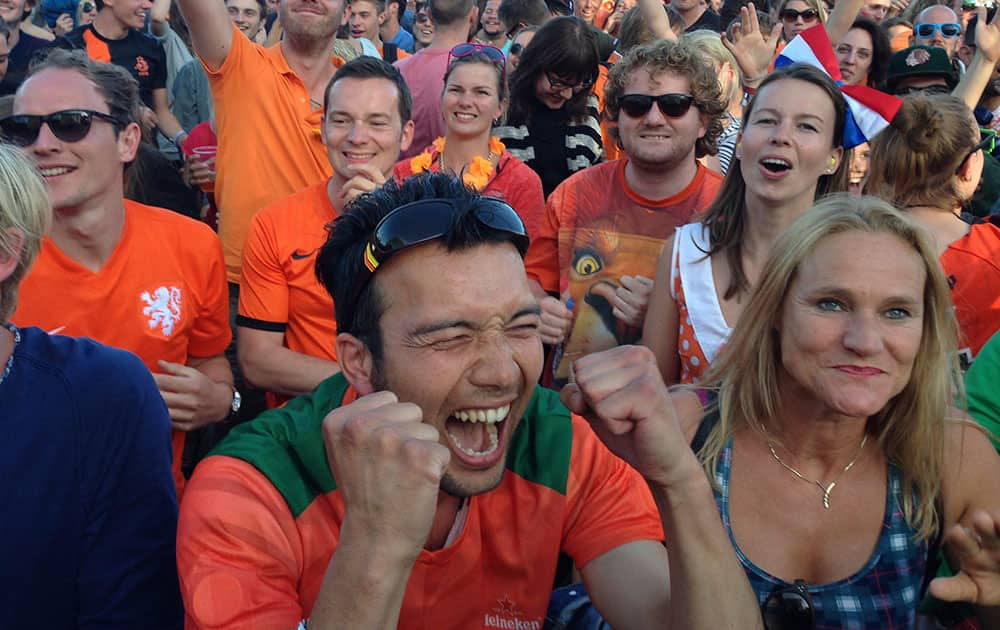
(826, 489)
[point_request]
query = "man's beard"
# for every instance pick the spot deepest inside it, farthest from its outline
(308, 32)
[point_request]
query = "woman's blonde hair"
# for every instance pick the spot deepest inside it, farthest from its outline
(817, 5)
(910, 428)
(25, 215)
(914, 161)
(710, 44)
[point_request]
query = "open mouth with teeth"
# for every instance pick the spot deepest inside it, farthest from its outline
(55, 171)
(477, 434)
(776, 165)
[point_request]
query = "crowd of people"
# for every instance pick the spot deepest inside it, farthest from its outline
(500, 314)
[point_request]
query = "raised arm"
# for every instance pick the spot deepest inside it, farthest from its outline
(980, 70)
(158, 17)
(211, 29)
(840, 20)
(656, 19)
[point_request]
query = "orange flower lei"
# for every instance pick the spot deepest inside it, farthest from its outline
(476, 175)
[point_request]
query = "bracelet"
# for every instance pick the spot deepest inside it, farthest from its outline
(177, 137)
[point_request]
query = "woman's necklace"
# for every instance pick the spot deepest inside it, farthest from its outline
(826, 489)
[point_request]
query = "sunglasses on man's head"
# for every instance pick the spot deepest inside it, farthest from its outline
(671, 105)
(790, 15)
(789, 607)
(70, 125)
(949, 30)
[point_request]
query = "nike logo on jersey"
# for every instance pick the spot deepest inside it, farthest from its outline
(297, 255)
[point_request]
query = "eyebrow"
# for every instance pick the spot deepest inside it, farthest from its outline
(840, 292)
(779, 113)
(466, 324)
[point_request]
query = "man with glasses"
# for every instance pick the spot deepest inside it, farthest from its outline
(606, 224)
(424, 70)
(432, 484)
(139, 278)
(920, 69)
(939, 27)
(286, 321)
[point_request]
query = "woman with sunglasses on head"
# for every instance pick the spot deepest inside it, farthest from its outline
(553, 122)
(929, 162)
(473, 99)
(789, 153)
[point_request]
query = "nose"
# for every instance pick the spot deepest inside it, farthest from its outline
(46, 143)
(495, 367)
(654, 116)
(358, 133)
(780, 133)
(863, 336)
(851, 57)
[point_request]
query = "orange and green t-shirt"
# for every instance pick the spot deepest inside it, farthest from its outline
(269, 138)
(279, 291)
(596, 230)
(161, 295)
(261, 519)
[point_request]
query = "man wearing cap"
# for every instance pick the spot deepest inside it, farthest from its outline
(432, 483)
(921, 69)
(286, 321)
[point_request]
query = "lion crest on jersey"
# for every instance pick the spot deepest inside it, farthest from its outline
(163, 308)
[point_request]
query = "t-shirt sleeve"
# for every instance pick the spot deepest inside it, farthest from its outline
(981, 391)
(158, 80)
(542, 260)
(263, 286)
(609, 503)
(236, 550)
(211, 333)
(526, 197)
(234, 68)
(128, 572)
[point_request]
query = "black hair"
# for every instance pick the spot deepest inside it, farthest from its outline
(366, 67)
(880, 50)
(341, 259)
(566, 47)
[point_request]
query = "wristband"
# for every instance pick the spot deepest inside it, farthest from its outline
(177, 137)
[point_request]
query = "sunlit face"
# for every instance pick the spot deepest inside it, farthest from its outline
(793, 27)
(859, 167)
(852, 321)
(12, 11)
(246, 15)
(787, 143)
(521, 41)
(363, 126)
(875, 9)
(586, 10)
(311, 20)
(460, 338)
(854, 56)
(130, 13)
(656, 140)
(365, 20)
(423, 26)
(470, 101)
(490, 20)
(78, 175)
(937, 15)
(87, 12)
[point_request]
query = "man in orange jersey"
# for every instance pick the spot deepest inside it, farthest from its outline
(432, 483)
(286, 321)
(139, 278)
(606, 225)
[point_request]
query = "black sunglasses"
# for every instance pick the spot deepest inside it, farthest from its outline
(987, 144)
(427, 220)
(421, 17)
(516, 49)
(789, 607)
(930, 90)
(87, 7)
(671, 105)
(69, 125)
(790, 15)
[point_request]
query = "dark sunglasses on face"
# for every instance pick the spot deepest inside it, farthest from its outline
(421, 17)
(87, 7)
(930, 90)
(70, 125)
(949, 30)
(790, 15)
(516, 49)
(789, 607)
(427, 220)
(671, 105)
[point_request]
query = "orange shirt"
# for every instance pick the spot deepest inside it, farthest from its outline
(279, 291)
(262, 518)
(596, 230)
(269, 138)
(161, 295)
(972, 266)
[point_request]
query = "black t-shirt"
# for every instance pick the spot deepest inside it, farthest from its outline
(139, 53)
(709, 21)
(20, 59)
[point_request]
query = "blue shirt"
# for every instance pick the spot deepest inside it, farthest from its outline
(90, 512)
(404, 41)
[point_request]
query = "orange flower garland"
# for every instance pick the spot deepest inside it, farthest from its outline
(476, 175)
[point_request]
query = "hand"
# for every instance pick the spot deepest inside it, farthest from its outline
(987, 36)
(631, 299)
(198, 172)
(897, 7)
(754, 51)
(64, 24)
(193, 399)
(555, 322)
(149, 121)
(366, 179)
(621, 394)
(977, 549)
(388, 464)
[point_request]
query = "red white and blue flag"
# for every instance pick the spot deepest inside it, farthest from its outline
(869, 111)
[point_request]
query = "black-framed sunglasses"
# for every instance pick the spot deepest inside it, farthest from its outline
(949, 30)
(516, 49)
(559, 85)
(789, 607)
(421, 17)
(87, 7)
(790, 15)
(929, 90)
(987, 145)
(69, 125)
(671, 105)
(427, 220)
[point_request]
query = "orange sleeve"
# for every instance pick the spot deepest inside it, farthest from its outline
(234, 64)
(237, 549)
(211, 333)
(524, 194)
(609, 502)
(263, 286)
(542, 261)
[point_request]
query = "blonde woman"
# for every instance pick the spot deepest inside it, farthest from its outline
(711, 47)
